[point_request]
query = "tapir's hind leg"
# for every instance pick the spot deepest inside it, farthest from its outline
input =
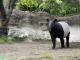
(67, 40)
(62, 42)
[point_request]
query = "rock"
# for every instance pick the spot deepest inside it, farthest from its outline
(29, 24)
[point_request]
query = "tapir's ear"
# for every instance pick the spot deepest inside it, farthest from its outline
(55, 20)
(48, 20)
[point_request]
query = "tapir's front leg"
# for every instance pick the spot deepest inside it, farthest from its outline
(53, 40)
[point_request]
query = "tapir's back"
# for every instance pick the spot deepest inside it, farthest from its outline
(65, 27)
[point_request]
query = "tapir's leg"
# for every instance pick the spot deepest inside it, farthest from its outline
(67, 40)
(62, 42)
(53, 40)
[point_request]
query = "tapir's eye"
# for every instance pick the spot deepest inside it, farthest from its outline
(46, 24)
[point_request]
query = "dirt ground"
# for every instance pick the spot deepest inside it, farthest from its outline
(39, 51)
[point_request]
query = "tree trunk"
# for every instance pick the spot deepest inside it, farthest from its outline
(6, 9)
(4, 20)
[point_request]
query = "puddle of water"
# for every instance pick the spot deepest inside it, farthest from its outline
(75, 34)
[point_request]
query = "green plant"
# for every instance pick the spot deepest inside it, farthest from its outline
(10, 40)
(5, 39)
(51, 6)
(27, 5)
(55, 7)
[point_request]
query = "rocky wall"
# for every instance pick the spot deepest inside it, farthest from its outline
(33, 25)
(28, 24)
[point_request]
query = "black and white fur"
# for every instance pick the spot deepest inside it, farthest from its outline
(59, 30)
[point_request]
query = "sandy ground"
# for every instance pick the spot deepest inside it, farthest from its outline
(39, 51)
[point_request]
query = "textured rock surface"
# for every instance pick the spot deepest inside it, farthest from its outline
(29, 24)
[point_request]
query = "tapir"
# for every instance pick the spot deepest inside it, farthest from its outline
(59, 29)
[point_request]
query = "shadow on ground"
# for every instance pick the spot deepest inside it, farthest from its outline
(75, 45)
(58, 44)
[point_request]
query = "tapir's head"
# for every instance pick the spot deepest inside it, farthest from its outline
(51, 23)
(54, 20)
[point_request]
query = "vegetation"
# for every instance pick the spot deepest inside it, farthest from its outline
(10, 40)
(55, 7)
(4, 39)
(27, 5)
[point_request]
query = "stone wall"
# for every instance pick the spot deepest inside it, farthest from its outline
(28, 24)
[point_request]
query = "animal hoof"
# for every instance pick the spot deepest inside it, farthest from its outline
(67, 46)
(53, 47)
(63, 47)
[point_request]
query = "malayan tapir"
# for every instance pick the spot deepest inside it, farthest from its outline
(59, 29)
